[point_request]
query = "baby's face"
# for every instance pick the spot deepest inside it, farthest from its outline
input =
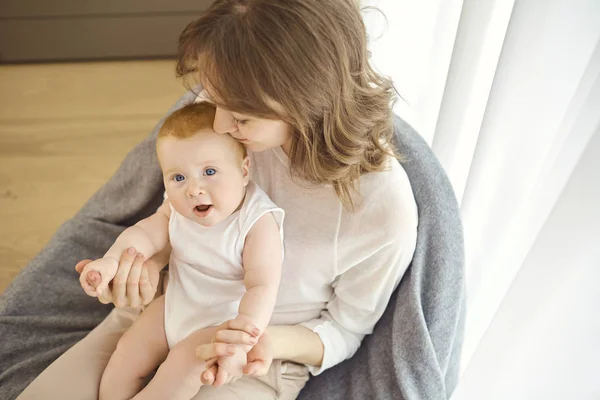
(204, 175)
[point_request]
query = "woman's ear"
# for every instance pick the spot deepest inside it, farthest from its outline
(246, 170)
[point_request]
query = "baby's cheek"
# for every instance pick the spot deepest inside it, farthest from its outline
(178, 205)
(229, 196)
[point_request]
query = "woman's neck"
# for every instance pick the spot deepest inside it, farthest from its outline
(287, 147)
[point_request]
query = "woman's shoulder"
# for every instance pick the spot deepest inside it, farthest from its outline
(383, 187)
(385, 201)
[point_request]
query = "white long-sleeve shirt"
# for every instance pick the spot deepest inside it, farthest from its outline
(340, 266)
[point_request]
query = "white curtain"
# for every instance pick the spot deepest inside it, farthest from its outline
(508, 95)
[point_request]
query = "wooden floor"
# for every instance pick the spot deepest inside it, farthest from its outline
(64, 129)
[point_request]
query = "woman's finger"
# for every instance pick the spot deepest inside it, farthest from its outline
(133, 282)
(103, 285)
(207, 351)
(237, 325)
(146, 290)
(211, 362)
(119, 290)
(106, 296)
(235, 337)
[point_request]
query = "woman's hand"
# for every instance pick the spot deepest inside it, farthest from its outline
(227, 337)
(136, 280)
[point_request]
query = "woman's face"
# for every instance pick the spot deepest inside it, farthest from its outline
(257, 134)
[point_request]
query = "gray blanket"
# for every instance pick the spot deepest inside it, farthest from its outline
(412, 354)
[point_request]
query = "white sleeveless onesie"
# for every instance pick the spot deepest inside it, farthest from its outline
(206, 276)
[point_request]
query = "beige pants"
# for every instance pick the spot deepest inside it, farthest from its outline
(76, 374)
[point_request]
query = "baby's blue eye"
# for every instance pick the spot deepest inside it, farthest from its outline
(178, 178)
(210, 171)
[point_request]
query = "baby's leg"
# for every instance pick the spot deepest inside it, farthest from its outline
(178, 378)
(141, 349)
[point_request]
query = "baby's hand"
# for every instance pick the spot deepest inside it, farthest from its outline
(96, 275)
(231, 367)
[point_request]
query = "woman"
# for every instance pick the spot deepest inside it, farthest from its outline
(291, 80)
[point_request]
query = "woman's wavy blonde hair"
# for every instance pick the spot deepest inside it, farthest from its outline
(311, 58)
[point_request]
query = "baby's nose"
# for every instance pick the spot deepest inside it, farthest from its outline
(195, 189)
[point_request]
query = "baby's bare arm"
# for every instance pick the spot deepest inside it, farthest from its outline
(262, 257)
(148, 236)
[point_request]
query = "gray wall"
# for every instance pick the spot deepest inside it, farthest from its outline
(61, 30)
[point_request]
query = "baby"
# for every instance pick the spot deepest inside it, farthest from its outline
(227, 242)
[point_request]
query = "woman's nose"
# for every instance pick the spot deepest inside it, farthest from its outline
(224, 122)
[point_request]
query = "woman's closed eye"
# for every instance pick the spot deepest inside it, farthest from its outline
(210, 171)
(240, 121)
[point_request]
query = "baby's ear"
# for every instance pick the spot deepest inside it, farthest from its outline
(246, 170)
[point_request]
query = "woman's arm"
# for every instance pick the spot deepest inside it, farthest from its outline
(296, 343)
(336, 335)
(289, 342)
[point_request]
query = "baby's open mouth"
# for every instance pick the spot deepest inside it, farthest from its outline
(203, 207)
(203, 210)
